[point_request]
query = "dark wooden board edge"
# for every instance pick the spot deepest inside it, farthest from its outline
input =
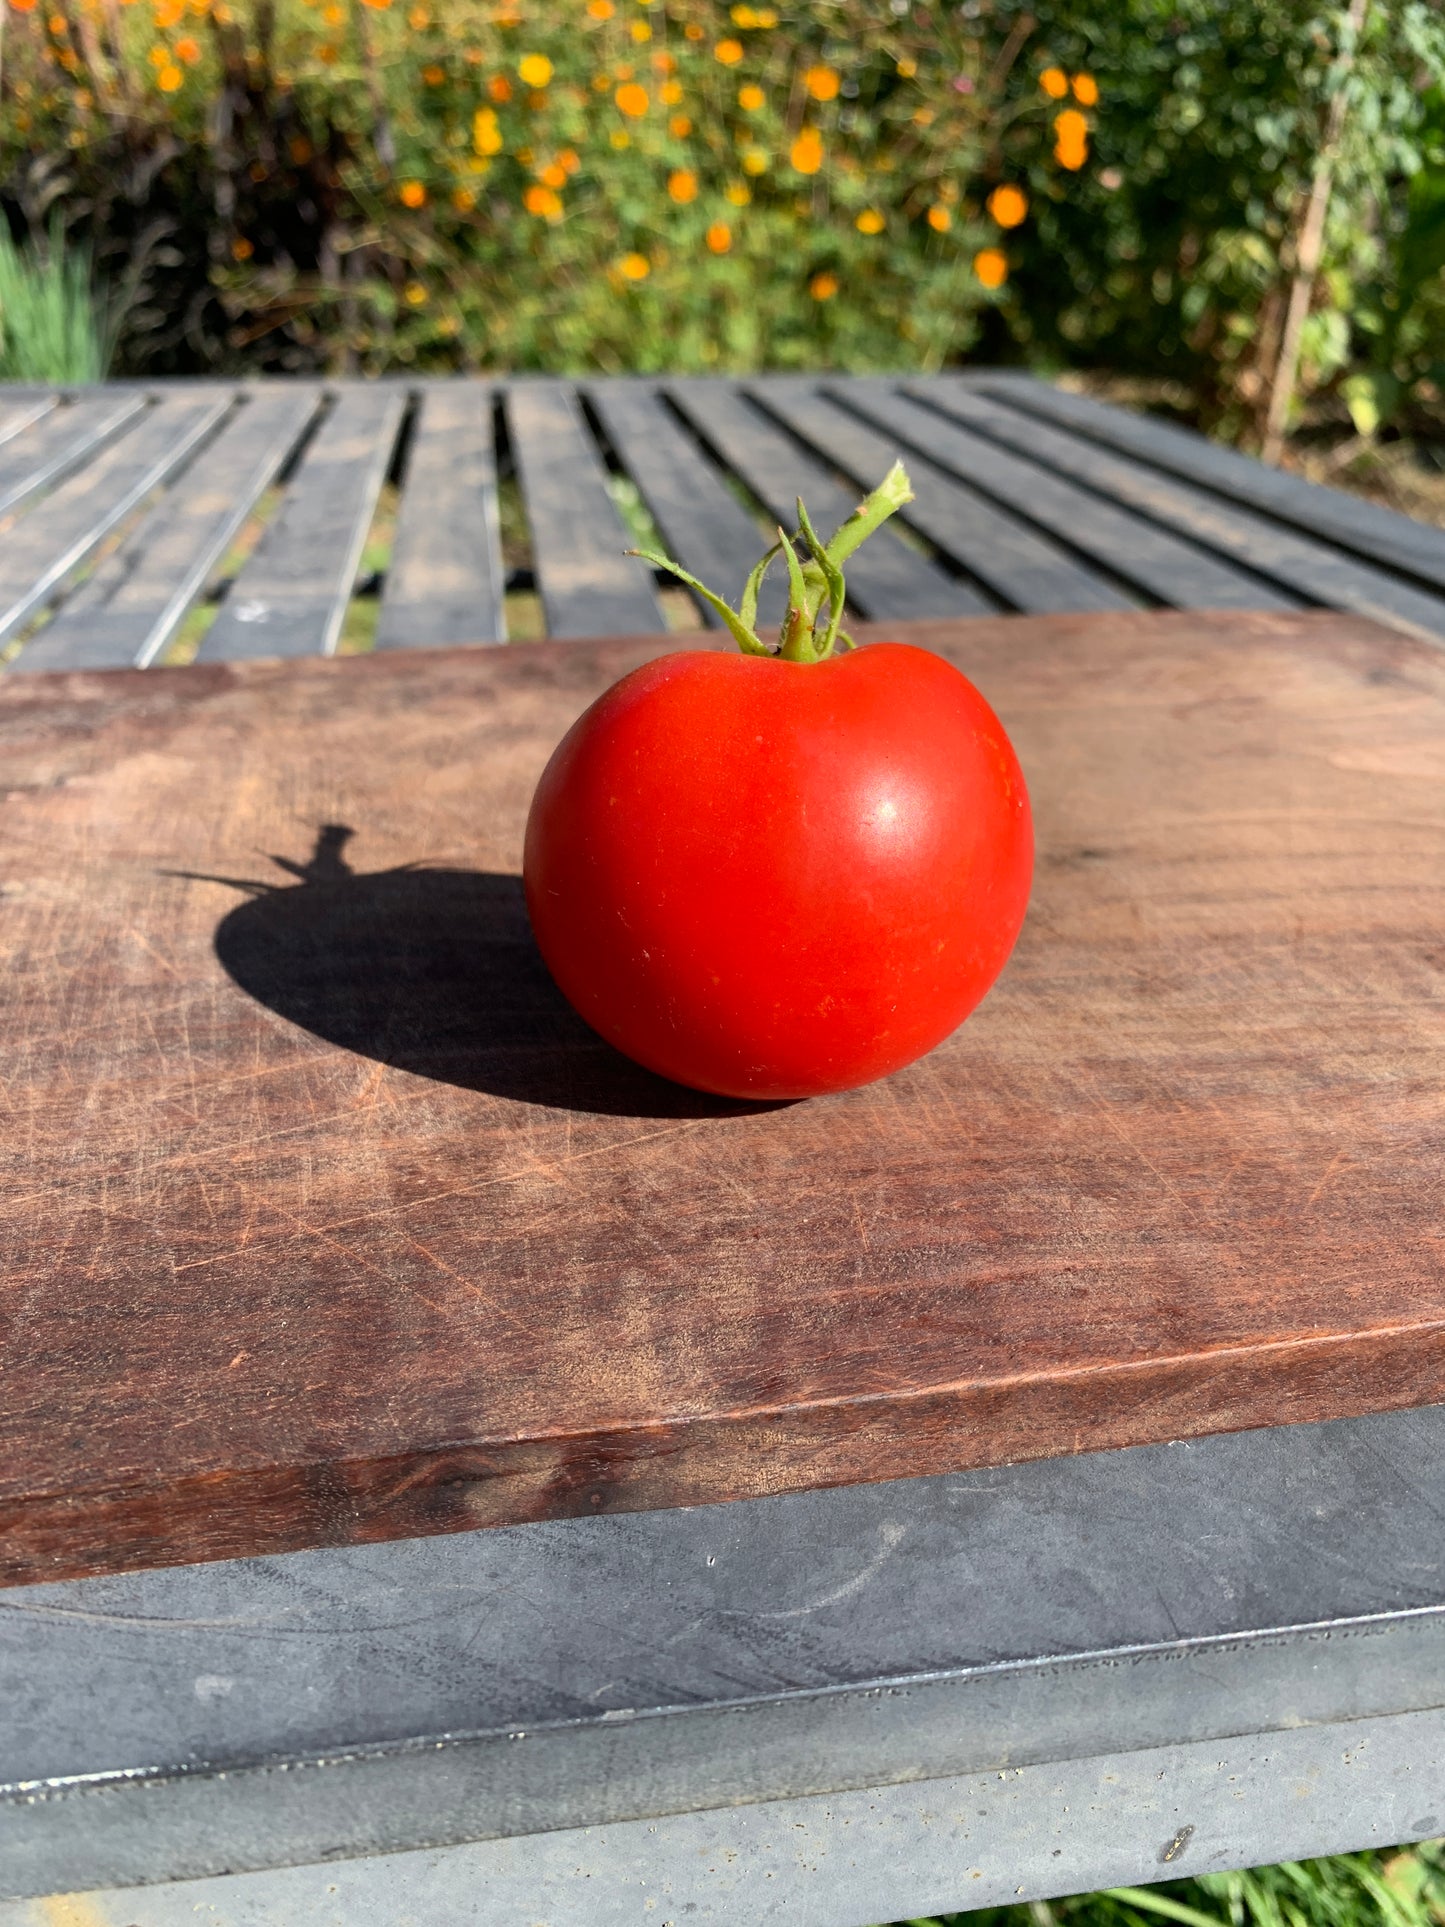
(258, 1512)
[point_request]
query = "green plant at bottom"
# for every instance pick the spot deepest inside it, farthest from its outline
(52, 327)
(1402, 1888)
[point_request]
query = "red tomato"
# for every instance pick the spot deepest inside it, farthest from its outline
(772, 879)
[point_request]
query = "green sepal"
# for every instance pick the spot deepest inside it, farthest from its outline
(797, 636)
(889, 496)
(741, 634)
(832, 576)
(748, 607)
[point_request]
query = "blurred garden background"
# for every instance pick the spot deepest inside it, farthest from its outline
(1231, 209)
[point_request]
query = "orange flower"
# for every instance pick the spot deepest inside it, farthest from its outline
(169, 78)
(719, 237)
(679, 127)
(328, 54)
(1008, 205)
(415, 294)
(418, 19)
(486, 134)
(634, 267)
(991, 267)
(188, 50)
(640, 31)
(823, 286)
(553, 175)
(822, 83)
(380, 5)
(601, 9)
(806, 153)
(693, 31)
(241, 248)
(1086, 90)
(631, 98)
(737, 193)
(542, 201)
(670, 93)
(682, 185)
(729, 52)
(433, 75)
(870, 221)
(463, 200)
(663, 62)
(1055, 82)
(1071, 148)
(754, 160)
(167, 13)
(413, 194)
(939, 219)
(905, 68)
(569, 159)
(22, 6)
(534, 70)
(744, 17)
(751, 98)
(499, 87)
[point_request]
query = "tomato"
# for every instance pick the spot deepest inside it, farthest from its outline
(772, 879)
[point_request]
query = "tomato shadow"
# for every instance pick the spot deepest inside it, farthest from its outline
(434, 971)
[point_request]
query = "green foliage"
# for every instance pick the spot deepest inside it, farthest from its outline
(1405, 1888)
(353, 185)
(50, 326)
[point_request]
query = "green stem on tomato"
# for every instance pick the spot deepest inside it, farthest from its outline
(806, 634)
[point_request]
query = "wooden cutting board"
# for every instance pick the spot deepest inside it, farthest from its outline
(326, 1221)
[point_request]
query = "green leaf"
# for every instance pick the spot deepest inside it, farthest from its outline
(741, 634)
(833, 577)
(889, 496)
(797, 640)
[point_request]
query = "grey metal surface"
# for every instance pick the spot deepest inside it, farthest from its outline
(588, 583)
(1377, 533)
(705, 527)
(1025, 569)
(445, 582)
(1174, 572)
(126, 612)
(877, 1854)
(1312, 571)
(884, 579)
(45, 451)
(61, 532)
(590, 1671)
(290, 598)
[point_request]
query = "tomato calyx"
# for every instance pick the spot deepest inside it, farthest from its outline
(812, 628)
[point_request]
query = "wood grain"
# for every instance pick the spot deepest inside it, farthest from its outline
(326, 1222)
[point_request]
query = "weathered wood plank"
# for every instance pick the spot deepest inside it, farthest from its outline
(1024, 569)
(45, 451)
(706, 528)
(42, 549)
(291, 596)
(886, 579)
(1313, 571)
(326, 1221)
(1175, 572)
(589, 586)
(445, 582)
(19, 412)
(1379, 534)
(127, 612)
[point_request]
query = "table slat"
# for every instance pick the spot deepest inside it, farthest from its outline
(706, 528)
(131, 607)
(588, 584)
(885, 579)
(291, 597)
(1025, 569)
(45, 451)
(1315, 572)
(446, 582)
(16, 415)
(40, 551)
(1373, 531)
(1175, 572)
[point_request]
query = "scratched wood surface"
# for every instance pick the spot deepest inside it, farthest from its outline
(324, 1220)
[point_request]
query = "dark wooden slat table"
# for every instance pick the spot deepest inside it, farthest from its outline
(333, 1226)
